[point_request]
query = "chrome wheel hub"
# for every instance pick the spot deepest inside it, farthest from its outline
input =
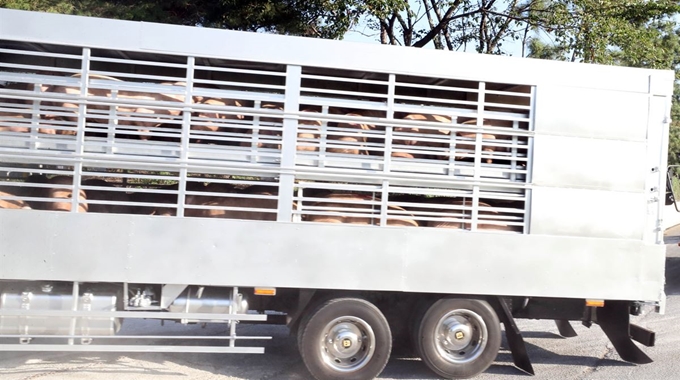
(461, 336)
(348, 344)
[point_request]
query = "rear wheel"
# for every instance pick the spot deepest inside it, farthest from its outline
(459, 338)
(345, 338)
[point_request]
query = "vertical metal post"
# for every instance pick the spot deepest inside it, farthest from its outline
(658, 121)
(126, 296)
(530, 162)
(297, 217)
(451, 167)
(478, 155)
(389, 128)
(35, 116)
(514, 152)
(233, 309)
(475, 208)
(291, 109)
(478, 136)
(112, 125)
(255, 134)
(186, 135)
(387, 163)
(323, 137)
(80, 131)
(384, 197)
(74, 307)
(662, 175)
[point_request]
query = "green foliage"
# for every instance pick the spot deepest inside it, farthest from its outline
(674, 138)
(604, 31)
(318, 18)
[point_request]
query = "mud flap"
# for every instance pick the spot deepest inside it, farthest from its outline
(614, 319)
(513, 335)
(565, 328)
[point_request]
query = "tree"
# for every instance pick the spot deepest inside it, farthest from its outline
(317, 18)
(602, 31)
(484, 25)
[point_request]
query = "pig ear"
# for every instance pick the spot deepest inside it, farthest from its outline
(445, 131)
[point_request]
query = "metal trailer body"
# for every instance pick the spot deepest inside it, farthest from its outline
(561, 166)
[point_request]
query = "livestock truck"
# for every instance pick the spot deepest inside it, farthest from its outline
(365, 196)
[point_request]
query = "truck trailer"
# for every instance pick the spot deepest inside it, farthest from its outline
(363, 195)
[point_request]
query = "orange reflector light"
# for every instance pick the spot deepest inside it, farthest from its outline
(595, 303)
(265, 291)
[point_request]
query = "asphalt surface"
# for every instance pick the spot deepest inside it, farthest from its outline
(587, 356)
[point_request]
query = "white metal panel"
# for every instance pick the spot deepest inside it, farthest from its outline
(70, 246)
(576, 111)
(588, 213)
(660, 83)
(590, 163)
(51, 28)
(135, 36)
(548, 266)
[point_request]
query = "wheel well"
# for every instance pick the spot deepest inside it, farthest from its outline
(394, 305)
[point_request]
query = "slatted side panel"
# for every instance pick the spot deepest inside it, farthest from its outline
(90, 130)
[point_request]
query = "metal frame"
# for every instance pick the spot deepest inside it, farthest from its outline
(577, 258)
(180, 343)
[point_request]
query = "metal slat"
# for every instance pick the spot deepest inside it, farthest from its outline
(133, 314)
(443, 170)
(129, 348)
(159, 337)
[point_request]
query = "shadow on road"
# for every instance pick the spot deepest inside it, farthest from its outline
(672, 276)
(411, 368)
(37, 364)
(542, 335)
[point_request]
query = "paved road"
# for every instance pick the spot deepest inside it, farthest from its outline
(588, 356)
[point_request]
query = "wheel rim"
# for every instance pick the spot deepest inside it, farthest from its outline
(461, 336)
(348, 344)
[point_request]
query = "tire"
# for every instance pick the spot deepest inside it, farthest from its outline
(353, 322)
(459, 338)
(419, 310)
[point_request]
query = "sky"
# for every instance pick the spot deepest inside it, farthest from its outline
(362, 33)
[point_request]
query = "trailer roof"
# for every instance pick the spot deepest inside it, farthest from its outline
(117, 35)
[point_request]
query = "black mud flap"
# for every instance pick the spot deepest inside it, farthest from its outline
(614, 319)
(565, 328)
(513, 335)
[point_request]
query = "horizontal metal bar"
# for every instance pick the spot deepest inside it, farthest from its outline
(242, 84)
(41, 54)
(341, 92)
(435, 87)
(238, 71)
(133, 314)
(95, 58)
(416, 177)
(129, 348)
(39, 68)
(343, 79)
(188, 337)
(137, 76)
